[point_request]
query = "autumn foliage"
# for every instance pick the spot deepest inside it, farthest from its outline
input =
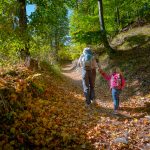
(39, 110)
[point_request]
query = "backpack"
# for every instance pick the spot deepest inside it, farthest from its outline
(86, 61)
(116, 80)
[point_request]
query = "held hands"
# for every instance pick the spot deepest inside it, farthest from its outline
(99, 69)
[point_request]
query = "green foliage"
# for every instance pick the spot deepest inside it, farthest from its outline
(88, 37)
(64, 54)
(85, 28)
(117, 14)
(38, 88)
(45, 32)
(76, 50)
(71, 52)
(49, 25)
(53, 69)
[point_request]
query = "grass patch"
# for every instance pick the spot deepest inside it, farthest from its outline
(53, 69)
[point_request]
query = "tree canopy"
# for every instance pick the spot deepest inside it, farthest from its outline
(45, 32)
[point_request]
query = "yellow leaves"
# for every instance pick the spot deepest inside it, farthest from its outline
(29, 95)
(148, 135)
(148, 95)
(31, 138)
(49, 139)
(2, 82)
(52, 109)
(26, 116)
(45, 121)
(57, 117)
(12, 130)
(8, 147)
(56, 126)
(38, 130)
(66, 137)
(126, 121)
(146, 121)
(18, 88)
(1, 85)
(13, 97)
(20, 85)
(43, 102)
(31, 77)
(49, 125)
(135, 120)
(12, 142)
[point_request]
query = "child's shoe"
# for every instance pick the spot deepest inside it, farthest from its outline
(115, 112)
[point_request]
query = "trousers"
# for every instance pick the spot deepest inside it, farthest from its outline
(115, 97)
(88, 85)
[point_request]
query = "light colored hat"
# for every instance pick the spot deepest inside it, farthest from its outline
(87, 50)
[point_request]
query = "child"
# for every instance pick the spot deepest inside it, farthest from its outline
(116, 82)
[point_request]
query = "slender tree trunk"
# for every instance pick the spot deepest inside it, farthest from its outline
(118, 15)
(102, 27)
(22, 15)
(77, 4)
(23, 31)
(56, 46)
(117, 19)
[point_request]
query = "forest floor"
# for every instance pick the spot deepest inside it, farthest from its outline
(40, 110)
(129, 129)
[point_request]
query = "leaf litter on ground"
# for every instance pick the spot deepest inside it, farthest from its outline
(38, 112)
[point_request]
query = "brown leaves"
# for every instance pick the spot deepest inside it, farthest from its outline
(49, 113)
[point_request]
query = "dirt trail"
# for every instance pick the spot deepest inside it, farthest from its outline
(73, 74)
(103, 99)
(108, 128)
(102, 92)
(59, 119)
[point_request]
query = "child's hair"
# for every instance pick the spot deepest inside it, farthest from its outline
(116, 69)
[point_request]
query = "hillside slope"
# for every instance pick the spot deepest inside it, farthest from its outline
(133, 58)
(41, 110)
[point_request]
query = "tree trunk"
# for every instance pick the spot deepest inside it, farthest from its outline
(22, 15)
(118, 16)
(102, 27)
(56, 46)
(25, 54)
(117, 13)
(117, 19)
(77, 4)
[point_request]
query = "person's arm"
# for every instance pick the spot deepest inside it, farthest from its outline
(105, 76)
(93, 63)
(79, 61)
(123, 82)
(97, 61)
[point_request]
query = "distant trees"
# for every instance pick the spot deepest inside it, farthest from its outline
(23, 34)
(43, 34)
(117, 14)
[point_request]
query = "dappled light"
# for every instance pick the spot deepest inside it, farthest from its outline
(74, 75)
(115, 131)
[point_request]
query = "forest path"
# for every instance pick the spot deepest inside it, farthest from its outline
(73, 74)
(130, 106)
(57, 118)
(111, 131)
(103, 99)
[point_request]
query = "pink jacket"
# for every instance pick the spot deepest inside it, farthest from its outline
(108, 78)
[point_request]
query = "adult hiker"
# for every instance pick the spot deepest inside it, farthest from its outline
(95, 64)
(87, 62)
